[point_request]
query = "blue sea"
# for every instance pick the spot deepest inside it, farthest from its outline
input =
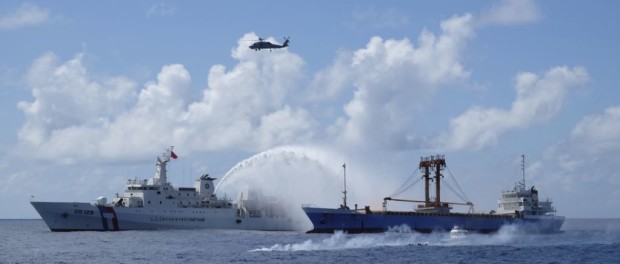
(581, 241)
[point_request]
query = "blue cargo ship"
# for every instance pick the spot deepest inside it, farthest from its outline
(519, 206)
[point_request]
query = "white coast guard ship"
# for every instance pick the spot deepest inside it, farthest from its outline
(156, 204)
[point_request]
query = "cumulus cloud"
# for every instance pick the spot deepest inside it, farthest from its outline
(153, 121)
(598, 134)
(27, 14)
(65, 96)
(329, 83)
(587, 160)
(74, 117)
(539, 98)
(238, 101)
(285, 125)
(388, 75)
(511, 12)
(595, 137)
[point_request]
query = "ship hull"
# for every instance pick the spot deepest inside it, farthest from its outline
(63, 216)
(327, 220)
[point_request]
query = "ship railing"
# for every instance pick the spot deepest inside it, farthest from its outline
(436, 157)
(510, 199)
(137, 181)
(452, 214)
(547, 200)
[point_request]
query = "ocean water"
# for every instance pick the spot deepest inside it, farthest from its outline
(581, 241)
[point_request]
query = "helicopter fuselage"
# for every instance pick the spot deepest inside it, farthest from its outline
(268, 45)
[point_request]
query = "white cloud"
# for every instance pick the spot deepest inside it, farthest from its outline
(593, 139)
(27, 14)
(74, 117)
(329, 83)
(152, 122)
(65, 96)
(585, 164)
(284, 126)
(388, 75)
(538, 99)
(241, 105)
(160, 9)
(598, 134)
(512, 12)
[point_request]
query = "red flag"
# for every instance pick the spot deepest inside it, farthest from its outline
(172, 155)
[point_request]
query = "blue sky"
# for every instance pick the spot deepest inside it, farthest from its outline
(90, 93)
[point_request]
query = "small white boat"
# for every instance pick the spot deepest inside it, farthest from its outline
(458, 232)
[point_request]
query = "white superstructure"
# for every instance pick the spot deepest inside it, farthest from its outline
(157, 204)
(525, 204)
(523, 201)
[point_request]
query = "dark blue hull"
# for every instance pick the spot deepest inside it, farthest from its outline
(327, 220)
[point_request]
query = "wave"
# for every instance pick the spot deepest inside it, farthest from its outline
(398, 236)
(401, 236)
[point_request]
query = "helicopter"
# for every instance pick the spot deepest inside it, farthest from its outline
(262, 44)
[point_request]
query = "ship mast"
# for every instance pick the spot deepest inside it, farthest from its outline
(161, 171)
(523, 172)
(437, 163)
(344, 198)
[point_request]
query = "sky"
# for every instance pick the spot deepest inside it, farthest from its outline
(91, 93)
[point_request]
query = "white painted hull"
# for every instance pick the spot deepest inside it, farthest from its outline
(63, 216)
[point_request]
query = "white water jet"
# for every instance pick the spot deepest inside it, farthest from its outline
(293, 175)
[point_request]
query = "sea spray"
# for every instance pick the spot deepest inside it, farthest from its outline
(397, 236)
(342, 241)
